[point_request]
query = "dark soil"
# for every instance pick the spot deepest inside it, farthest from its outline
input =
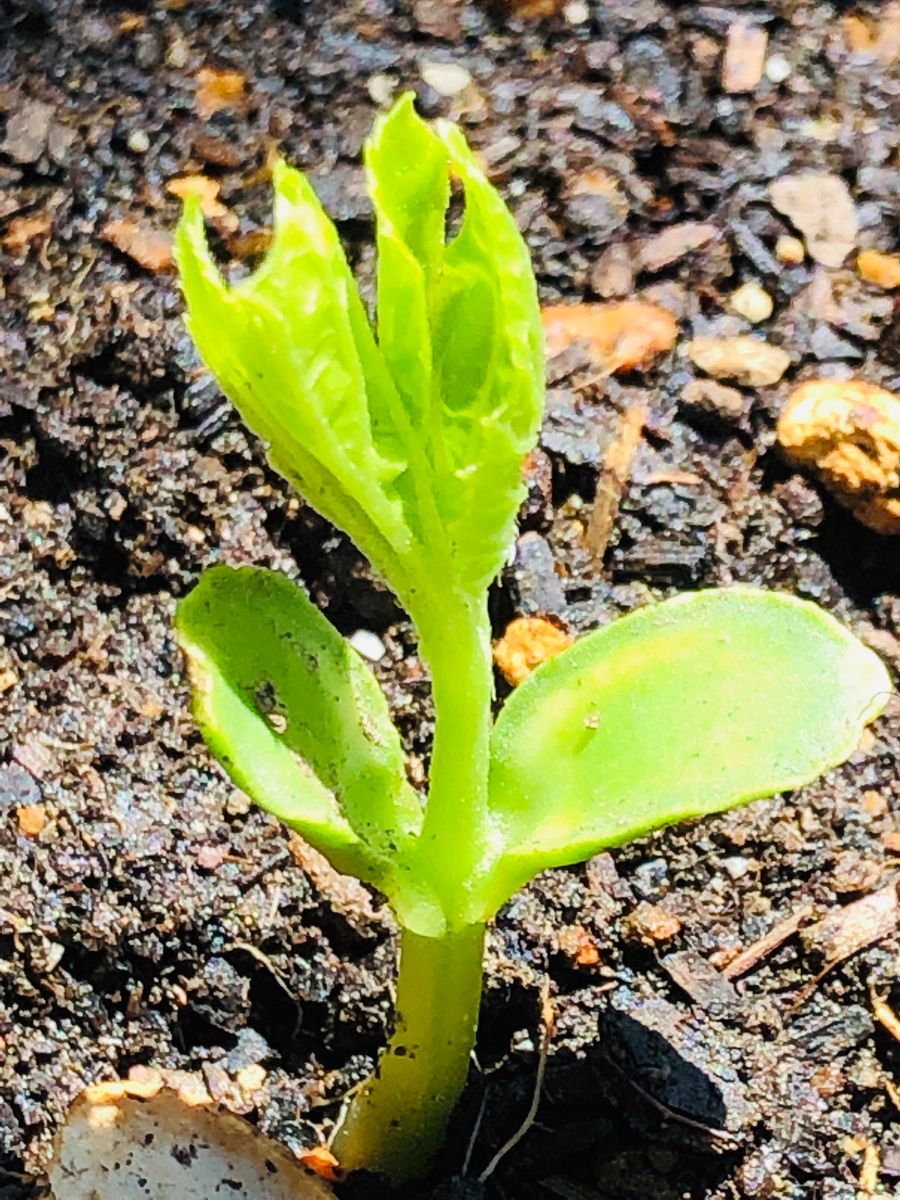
(155, 918)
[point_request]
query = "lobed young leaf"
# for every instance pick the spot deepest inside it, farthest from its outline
(678, 710)
(413, 443)
(297, 719)
(292, 349)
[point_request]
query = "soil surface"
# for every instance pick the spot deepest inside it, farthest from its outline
(148, 916)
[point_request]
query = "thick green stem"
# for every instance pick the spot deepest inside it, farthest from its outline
(397, 1121)
(454, 838)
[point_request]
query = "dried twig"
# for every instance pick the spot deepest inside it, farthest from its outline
(759, 950)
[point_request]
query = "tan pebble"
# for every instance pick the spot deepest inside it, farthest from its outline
(711, 399)
(881, 269)
(848, 433)
(821, 207)
(790, 250)
(650, 923)
(8, 679)
(746, 360)
(251, 1078)
(527, 642)
(622, 336)
(873, 803)
(752, 301)
(891, 841)
(745, 57)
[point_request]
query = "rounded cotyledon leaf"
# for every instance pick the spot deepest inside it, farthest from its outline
(296, 717)
(680, 709)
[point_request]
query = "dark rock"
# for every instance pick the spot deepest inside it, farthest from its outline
(702, 982)
(342, 191)
(536, 588)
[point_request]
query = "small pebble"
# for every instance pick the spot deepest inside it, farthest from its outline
(777, 68)
(737, 866)
(447, 79)
(138, 142)
(368, 644)
(577, 12)
(381, 87)
(752, 301)
(790, 250)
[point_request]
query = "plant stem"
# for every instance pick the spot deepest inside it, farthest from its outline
(398, 1120)
(454, 838)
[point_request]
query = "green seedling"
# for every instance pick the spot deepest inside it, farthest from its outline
(410, 438)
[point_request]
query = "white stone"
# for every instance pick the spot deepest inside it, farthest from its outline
(368, 644)
(447, 79)
(577, 12)
(777, 68)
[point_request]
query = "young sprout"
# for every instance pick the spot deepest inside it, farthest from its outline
(410, 438)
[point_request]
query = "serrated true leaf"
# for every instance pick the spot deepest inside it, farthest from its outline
(297, 719)
(678, 710)
(459, 325)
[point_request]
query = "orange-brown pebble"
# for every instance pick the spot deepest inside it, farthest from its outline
(32, 818)
(848, 432)
(526, 643)
(531, 10)
(882, 270)
(622, 337)
(217, 90)
(322, 1162)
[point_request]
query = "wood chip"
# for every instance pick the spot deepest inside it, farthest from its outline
(851, 928)
(745, 57)
(150, 248)
(621, 337)
(24, 230)
(207, 192)
(662, 249)
(613, 480)
(885, 1014)
(526, 643)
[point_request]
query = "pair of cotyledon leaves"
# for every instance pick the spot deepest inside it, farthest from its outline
(412, 443)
